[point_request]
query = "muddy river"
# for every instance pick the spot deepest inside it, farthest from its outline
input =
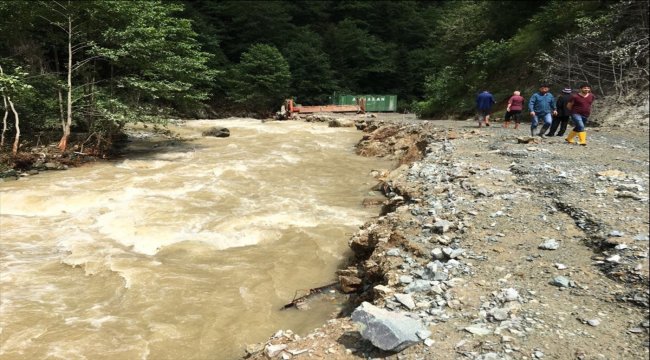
(185, 251)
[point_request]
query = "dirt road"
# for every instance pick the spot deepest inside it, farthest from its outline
(523, 250)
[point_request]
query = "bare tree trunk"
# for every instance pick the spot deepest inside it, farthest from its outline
(91, 113)
(4, 121)
(61, 111)
(66, 129)
(14, 149)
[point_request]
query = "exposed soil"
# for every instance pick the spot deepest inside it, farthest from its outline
(503, 194)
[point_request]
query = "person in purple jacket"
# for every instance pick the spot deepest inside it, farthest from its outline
(580, 107)
(514, 108)
(484, 102)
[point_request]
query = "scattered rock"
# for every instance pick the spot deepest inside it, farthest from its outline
(478, 329)
(561, 281)
(391, 331)
(593, 322)
(550, 244)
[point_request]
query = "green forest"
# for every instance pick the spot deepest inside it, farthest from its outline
(91, 67)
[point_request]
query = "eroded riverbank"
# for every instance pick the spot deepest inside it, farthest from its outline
(501, 249)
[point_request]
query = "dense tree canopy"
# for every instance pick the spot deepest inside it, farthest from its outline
(95, 65)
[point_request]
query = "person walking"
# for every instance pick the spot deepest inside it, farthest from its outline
(580, 106)
(484, 102)
(541, 106)
(563, 114)
(514, 108)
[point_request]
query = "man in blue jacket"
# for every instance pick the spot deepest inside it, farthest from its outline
(484, 102)
(541, 106)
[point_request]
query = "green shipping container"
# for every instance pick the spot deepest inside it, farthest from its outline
(374, 103)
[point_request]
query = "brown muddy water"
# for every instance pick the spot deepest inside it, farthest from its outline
(185, 252)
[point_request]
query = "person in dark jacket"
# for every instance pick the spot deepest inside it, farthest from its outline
(563, 113)
(484, 102)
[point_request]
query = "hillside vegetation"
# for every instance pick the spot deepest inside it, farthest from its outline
(93, 66)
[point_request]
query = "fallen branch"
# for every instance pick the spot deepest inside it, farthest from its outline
(298, 300)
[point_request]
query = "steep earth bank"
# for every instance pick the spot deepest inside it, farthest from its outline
(500, 246)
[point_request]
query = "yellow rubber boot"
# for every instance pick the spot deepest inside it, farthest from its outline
(582, 138)
(571, 136)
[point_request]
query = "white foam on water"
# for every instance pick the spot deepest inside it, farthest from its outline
(272, 127)
(326, 145)
(127, 273)
(279, 220)
(237, 167)
(284, 157)
(175, 156)
(20, 340)
(95, 322)
(168, 331)
(146, 164)
(341, 215)
(30, 203)
(135, 231)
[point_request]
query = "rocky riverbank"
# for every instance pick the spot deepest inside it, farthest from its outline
(494, 246)
(38, 155)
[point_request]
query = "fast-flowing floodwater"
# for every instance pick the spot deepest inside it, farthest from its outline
(184, 252)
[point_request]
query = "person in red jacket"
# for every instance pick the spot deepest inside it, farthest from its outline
(580, 107)
(515, 106)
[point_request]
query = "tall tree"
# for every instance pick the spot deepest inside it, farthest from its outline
(155, 55)
(13, 85)
(261, 79)
(240, 24)
(72, 18)
(359, 59)
(312, 79)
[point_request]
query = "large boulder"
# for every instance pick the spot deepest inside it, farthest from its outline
(387, 330)
(217, 132)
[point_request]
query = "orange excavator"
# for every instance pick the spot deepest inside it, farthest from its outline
(288, 109)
